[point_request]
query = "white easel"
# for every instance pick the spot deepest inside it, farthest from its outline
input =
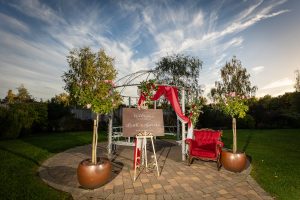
(143, 136)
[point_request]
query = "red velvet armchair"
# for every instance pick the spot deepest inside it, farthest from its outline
(206, 145)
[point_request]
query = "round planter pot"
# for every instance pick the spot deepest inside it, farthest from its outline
(234, 162)
(92, 176)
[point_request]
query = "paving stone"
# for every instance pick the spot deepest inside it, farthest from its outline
(147, 185)
(129, 191)
(159, 191)
(108, 187)
(119, 189)
(157, 186)
(149, 190)
(137, 184)
(145, 180)
(167, 197)
(222, 191)
(171, 191)
(128, 185)
(143, 197)
(135, 197)
(139, 190)
(167, 187)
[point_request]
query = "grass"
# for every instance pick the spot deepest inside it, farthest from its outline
(21, 158)
(275, 159)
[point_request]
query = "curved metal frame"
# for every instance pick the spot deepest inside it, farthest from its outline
(128, 81)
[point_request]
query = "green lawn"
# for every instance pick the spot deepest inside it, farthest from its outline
(275, 159)
(20, 159)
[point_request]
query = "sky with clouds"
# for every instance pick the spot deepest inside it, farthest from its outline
(36, 36)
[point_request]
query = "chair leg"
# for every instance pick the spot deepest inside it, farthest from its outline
(190, 160)
(219, 164)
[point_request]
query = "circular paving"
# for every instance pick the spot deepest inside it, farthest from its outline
(201, 180)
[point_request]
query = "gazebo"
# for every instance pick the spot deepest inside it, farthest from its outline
(124, 85)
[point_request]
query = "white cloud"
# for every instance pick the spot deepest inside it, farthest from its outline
(279, 83)
(38, 10)
(258, 69)
(38, 66)
(13, 23)
(246, 19)
(197, 21)
(220, 61)
(240, 26)
(244, 14)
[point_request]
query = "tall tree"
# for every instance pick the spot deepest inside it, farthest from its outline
(232, 91)
(179, 70)
(89, 83)
(297, 84)
(23, 94)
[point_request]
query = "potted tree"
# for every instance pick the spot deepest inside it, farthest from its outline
(234, 106)
(89, 82)
(231, 95)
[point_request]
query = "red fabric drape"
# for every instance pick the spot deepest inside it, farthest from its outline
(171, 94)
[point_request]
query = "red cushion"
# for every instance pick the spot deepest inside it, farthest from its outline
(199, 152)
(208, 146)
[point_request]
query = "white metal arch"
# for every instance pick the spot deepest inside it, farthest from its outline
(133, 80)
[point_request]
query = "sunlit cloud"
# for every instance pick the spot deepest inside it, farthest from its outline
(258, 69)
(240, 26)
(279, 83)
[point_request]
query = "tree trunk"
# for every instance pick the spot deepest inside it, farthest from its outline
(234, 135)
(95, 140)
(93, 143)
(110, 124)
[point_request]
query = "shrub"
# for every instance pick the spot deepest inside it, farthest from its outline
(10, 124)
(22, 118)
(247, 122)
(60, 118)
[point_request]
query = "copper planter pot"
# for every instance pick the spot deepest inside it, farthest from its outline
(93, 176)
(234, 162)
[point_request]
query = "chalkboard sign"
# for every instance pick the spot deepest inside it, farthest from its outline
(149, 120)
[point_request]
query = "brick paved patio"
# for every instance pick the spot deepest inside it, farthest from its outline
(201, 180)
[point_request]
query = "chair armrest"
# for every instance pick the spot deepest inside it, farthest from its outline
(190, 143)
(219, 146)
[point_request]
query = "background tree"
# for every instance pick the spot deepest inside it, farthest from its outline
(231, 92)
(179, 70)
(297, 84)
(23, 95)
(10, 97)
(89, 83)
(62, 98)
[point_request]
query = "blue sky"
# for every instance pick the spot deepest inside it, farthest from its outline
(36, 36)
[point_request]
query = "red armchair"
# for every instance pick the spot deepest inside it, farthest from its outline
(206, 145)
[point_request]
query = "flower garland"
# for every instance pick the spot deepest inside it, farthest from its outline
(195, 109)
(147, 89)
